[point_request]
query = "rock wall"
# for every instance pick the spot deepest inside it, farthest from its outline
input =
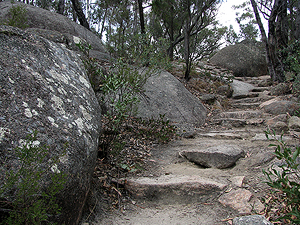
(245, 59)
(166, 95)
(45, 23)
(44, 87)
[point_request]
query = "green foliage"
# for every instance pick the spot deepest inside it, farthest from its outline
(231, 36)
(120, 90)
(205, 43)
(22, 194)
(159, 129)
(247, 22)
(291, 60)
(17, 17)
(139, 50)
(286, 179)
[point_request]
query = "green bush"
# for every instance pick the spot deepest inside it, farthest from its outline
(17, 17)
(22, 195)
(286, 179)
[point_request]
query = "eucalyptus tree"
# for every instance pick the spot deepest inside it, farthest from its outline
(283, 30)
(183, 20)
(247, 22)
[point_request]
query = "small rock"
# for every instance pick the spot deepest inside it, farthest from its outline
(208, 98)
(279, 127)
(294, 123)
(272, 121)
(222, 156)
(280, 89)
(237, 180)
(251, 220)
(225, 90)
(280, 107)
(241, 89)
(188, 134)
(260, 159)
(241, 200)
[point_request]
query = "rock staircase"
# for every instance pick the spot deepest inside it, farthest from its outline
(214, 175)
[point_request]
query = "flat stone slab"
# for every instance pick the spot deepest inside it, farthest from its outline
(172, 187)
(242, 201)
(251, 220)
(241, 89)
(221, 157)
(247, 114)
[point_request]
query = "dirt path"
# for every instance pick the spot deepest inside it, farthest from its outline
(176, 191)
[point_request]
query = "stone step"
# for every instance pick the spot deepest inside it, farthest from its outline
(174, 188)
(250, 100)
(220, 156)
(243, 114)
(237, 122)
(242, 105)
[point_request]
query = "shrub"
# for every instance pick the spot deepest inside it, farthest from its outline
(22, 196)
(286, 179)
(17, 17)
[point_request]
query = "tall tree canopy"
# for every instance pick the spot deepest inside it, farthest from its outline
(283, 31)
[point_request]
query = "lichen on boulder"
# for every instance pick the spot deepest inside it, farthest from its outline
(44, 88)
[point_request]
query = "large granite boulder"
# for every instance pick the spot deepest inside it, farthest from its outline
(165, 95)
(57, 28)
(245, 59)
(44, 87)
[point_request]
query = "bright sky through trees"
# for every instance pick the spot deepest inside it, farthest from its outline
(227, 14)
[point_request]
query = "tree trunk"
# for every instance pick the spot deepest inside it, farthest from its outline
(264, 39)
(297, 22)
(88, 12)
(79, 12)
(275, 42)
(61, 7)
(103, 24)
(187, 42)
(142, 20)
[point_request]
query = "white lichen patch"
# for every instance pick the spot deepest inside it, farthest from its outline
(55, 169)
(41, 103)
(10, 80)
(23, 144)
(58, 76)
(35, 113)
(64, 159)
(84, 81)
(50, 80)
(79, 123)
(25, 104)
(28, 113)
(3, 131)
(58, 104)
(52, 121)
(62, 91)
(86, 115)
(76, 40)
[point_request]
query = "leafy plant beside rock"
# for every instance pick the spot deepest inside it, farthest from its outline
(17, 17)
(285, 179)
(23, 198)
(119, 88)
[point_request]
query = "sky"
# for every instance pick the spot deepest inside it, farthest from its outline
(227, 14)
